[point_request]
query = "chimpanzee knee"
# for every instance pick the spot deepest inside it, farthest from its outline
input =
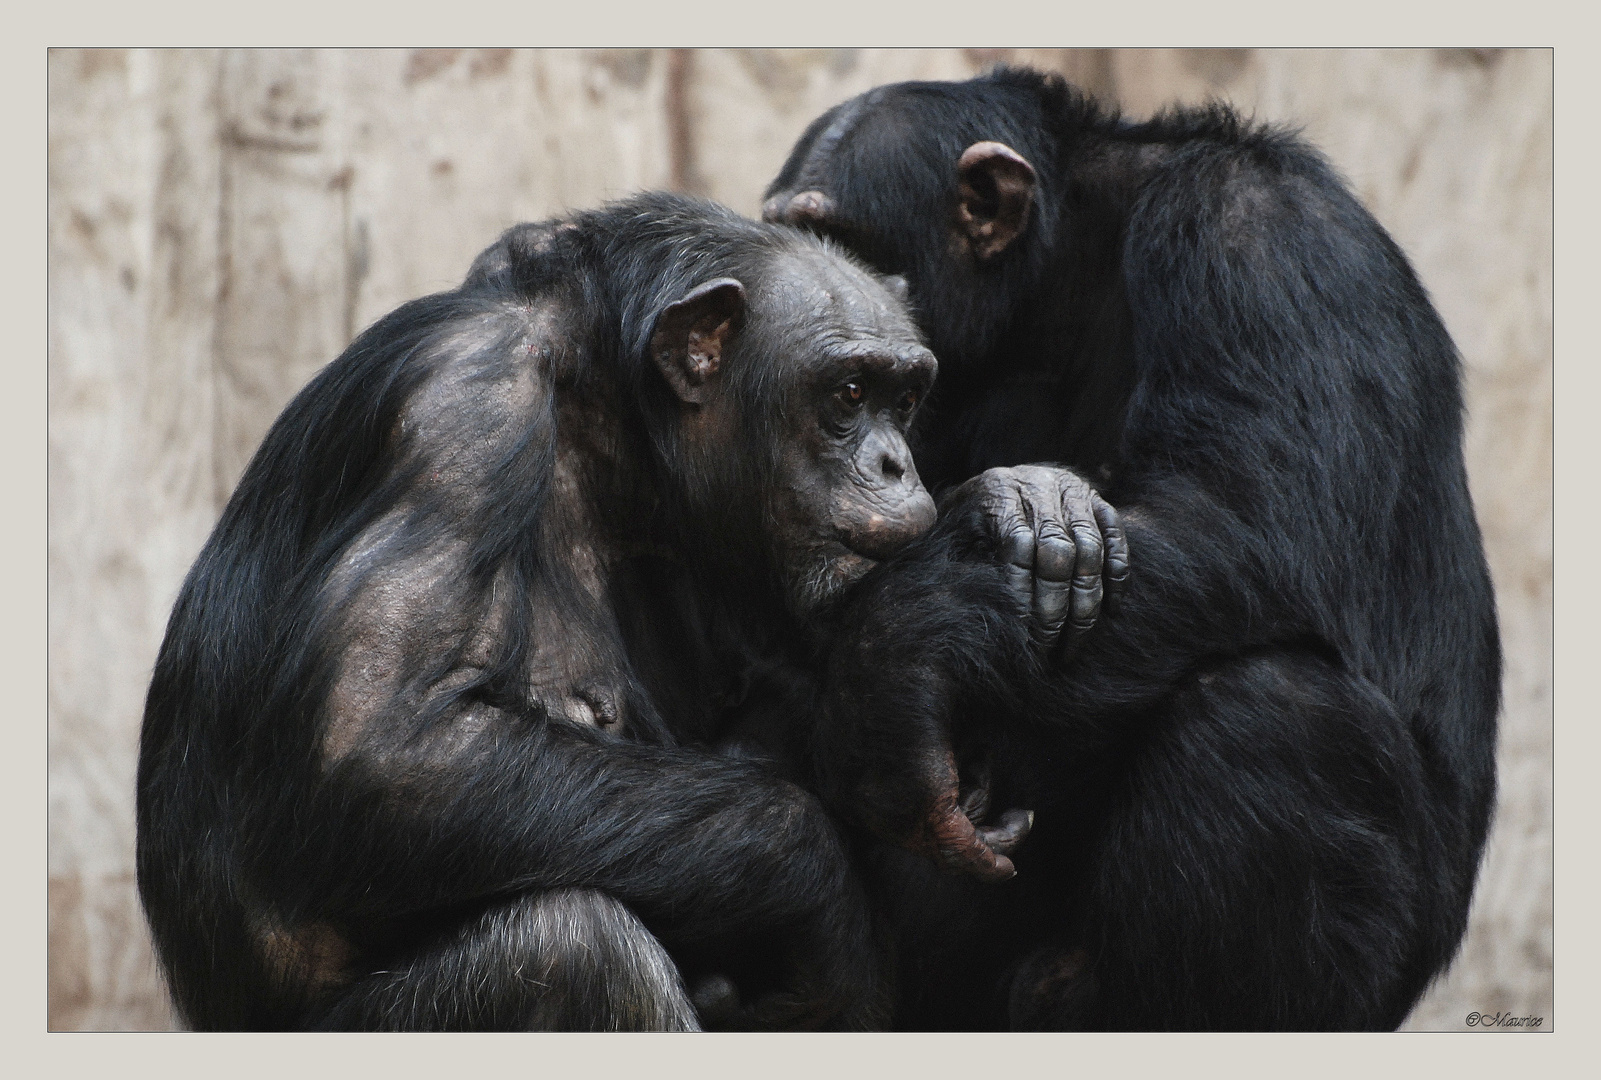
(1262, 862)
(568, 960)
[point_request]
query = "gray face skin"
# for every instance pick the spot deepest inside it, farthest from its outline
(831, 370)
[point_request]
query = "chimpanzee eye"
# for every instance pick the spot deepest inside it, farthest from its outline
(851, 393)
(909, 400)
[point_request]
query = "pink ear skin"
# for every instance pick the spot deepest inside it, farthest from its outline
(996, 186)
(804, 208)
(691, 334)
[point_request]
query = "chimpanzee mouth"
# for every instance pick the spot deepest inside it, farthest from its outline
(850, 562)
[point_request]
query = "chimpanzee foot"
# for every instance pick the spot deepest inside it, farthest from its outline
(958, 846)
(1008, 834)
(952, 834)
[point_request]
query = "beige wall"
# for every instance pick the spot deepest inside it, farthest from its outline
(221, 223)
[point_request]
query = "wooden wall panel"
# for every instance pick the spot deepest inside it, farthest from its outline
(448, 147)
(281, 305)
(133, 211)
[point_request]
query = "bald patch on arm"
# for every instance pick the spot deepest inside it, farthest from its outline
(407, 623)
(491, 383)
(411, 626)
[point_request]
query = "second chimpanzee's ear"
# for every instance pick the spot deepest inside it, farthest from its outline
(690, 336)
(996, 188)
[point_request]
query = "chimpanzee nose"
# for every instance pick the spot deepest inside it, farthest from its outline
(892, 466)
(892, 458)
(891, 507)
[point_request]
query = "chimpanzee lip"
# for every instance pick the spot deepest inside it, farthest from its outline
(845, 549)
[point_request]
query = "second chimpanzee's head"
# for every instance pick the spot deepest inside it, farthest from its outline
(794, 375)
(936, 182)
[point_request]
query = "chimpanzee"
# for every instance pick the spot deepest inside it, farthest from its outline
(1262, 784)
(429, 743)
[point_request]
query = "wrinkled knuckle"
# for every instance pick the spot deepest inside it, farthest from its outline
(1020, 545)
(1054, 559)
(997, 480)
(1071, 486)
(1090, 548)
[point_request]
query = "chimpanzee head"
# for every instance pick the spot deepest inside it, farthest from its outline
(795, 384)
(932, 181)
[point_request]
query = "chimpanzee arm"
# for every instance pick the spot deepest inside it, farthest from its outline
(438, 786)
(925, 632)
(1171, 598)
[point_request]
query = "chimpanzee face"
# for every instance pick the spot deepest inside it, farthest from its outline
(803, 388)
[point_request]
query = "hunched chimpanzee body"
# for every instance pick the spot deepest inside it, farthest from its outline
(428, 741)
(1263, 783)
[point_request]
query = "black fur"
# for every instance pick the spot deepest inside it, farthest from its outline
(445, 847)
(1264, 781)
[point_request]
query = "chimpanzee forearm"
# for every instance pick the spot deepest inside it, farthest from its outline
(697, 845)
(927, 634)
(944, 635)
(1183, 603)
(1204, 586)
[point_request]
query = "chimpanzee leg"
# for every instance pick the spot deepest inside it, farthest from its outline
(569, 960)
(1260, 867)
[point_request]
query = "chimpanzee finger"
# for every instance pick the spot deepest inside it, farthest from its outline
(975, 798)
(1087, 575)
(1116, 569)
(1054, 559)
(1010, 525)
(1006, 836)
(1054, 555)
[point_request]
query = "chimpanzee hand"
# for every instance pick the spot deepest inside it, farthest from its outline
(1063, 545)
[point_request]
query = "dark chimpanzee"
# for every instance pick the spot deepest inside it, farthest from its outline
(1263, 784)
(425, 745)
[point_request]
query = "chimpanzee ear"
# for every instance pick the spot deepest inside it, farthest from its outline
(896, 286)
(996, 188)
(806, 208)
(690, 336)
